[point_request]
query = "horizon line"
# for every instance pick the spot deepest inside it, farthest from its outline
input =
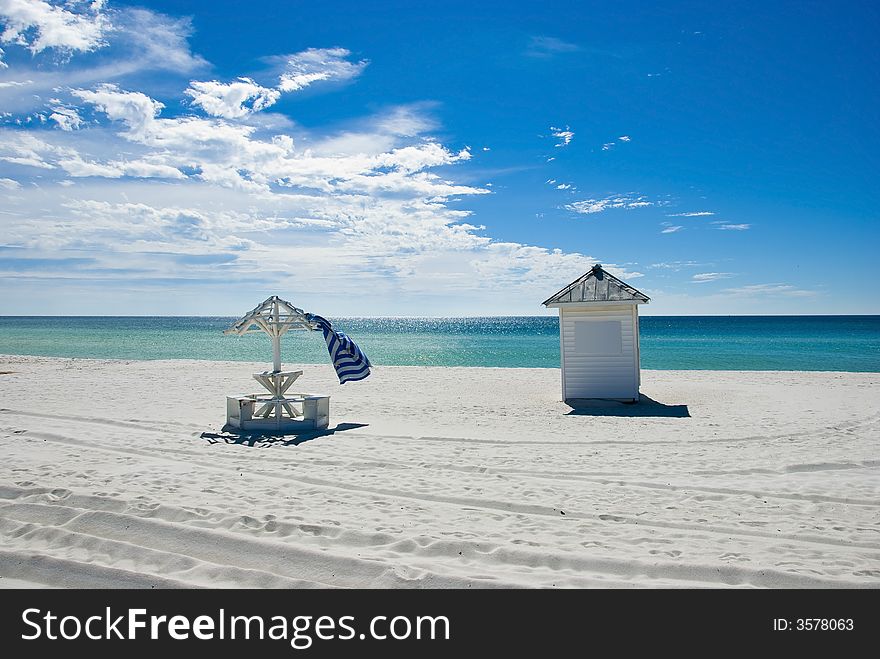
(546, 315)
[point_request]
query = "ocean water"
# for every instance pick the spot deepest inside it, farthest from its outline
(811, 343)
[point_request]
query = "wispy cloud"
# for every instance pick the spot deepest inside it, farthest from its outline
(406, 120)
(132, 41)
(769, 290)
(135, 110)
(628, 202)
(545, 47)
(237, 99)
(705, 277)
(671, 228)
(732, 227)
(560, 185)
(69, 27)
(231, 100)
(26, 150)
(610, 145)
(694, 214)
(564, 135)
(149, 40)
(677, 265)
(196, 187)
(227, 186)
(66, 118)
(316, 65)
(230, 155)
(137, 38)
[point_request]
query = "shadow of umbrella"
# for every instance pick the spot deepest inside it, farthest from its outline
(257, 439)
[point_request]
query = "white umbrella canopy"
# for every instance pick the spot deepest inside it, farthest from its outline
(275, 317)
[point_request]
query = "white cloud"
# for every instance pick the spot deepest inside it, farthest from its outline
(670, 228)
(564, 135)
(733, 227)
(559, 185)
(165, 228)
(379, 133)
(81, 26)
(318, 64)
(216, 151)
(677, 265)
(73, 26)
(406, 121)
(589, 206)
(3, 65)
(66, 118)
(545, 47)
(154, 41)
(371, 200)
(77, 167)
(610, 145)
(134, 109)
(705, 277)
(406, 247)
(697, 214)
(22, 148)
(416, 158)
(527, 266)
(244, 96)
(769, 290)
(133, 41)
(231, 100)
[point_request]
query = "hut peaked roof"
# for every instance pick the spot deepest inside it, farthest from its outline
(598, 286)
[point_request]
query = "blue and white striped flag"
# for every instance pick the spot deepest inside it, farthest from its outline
(348, 360)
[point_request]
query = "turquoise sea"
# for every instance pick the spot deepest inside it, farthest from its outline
(809, 343)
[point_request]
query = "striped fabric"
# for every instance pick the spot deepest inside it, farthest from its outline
(348, 360)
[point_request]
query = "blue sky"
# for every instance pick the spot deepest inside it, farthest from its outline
(436, 158)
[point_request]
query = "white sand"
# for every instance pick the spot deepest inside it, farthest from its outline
(437, 477)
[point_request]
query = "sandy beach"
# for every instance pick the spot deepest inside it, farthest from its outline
(118, 474)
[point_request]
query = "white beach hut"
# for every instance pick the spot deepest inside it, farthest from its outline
(599, 337)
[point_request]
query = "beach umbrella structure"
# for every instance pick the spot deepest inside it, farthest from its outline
(276, 410)
(279, 410)
(599, 337)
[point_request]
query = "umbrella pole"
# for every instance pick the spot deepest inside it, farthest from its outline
(276, 339)
(276, 353)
